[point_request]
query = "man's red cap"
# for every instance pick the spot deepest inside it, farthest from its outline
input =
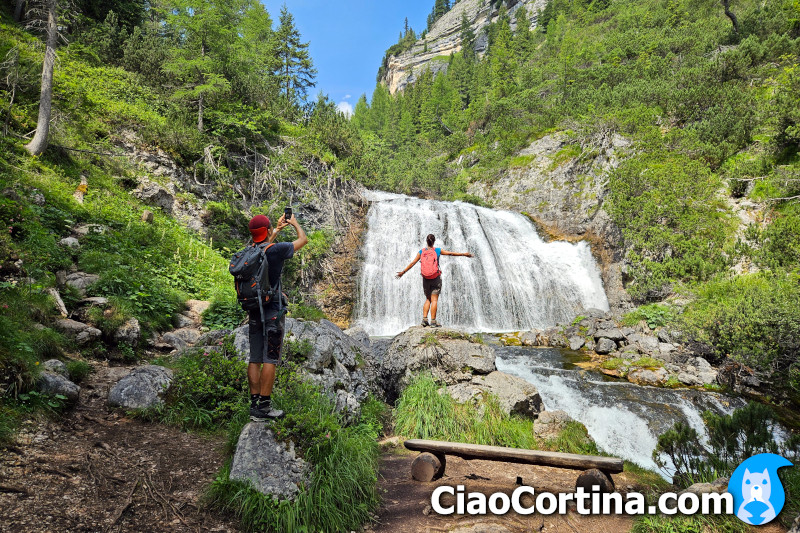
(259, 228)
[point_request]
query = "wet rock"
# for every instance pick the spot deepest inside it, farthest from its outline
(514, 394)
(70, 242)
(611, 333)
(271, 467)
(605, 346)
(644, 376)
(576, 342)
(689, 379)
(56, 367)
(143, 388)
(129, 333)
(549, 424)
(52, 383)
(449, 356)
(81, 281)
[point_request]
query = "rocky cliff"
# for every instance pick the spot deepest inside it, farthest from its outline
(444, 38)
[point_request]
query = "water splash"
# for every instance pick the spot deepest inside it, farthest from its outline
(515, 282)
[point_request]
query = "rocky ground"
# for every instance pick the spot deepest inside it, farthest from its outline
(95, 469)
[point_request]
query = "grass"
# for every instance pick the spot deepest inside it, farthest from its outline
(78, 370)
(341, 494)
(689, 524)
(647, 362)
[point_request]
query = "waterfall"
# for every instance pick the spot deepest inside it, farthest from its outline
(515, 282)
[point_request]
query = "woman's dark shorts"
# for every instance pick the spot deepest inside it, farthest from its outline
(432, 286)
(272, 355)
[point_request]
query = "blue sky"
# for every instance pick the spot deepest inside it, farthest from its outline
(347, 39)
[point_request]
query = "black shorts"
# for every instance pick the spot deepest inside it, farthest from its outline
(272, 355)
(432, 286)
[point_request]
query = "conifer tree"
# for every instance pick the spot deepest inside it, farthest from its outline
(503, 65)
(523, 39)
(467, 37)
(295, 71)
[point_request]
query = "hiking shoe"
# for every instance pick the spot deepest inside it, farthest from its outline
(425, 323)
(435, 324)
(265, 413)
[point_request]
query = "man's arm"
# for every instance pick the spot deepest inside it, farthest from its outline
(411, 264)
(281, 224)
(301, 240)
(465, 254)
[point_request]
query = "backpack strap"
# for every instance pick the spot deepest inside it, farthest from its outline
(264, 264)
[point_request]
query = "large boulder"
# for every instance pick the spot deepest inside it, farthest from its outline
(56, 367)
(143, 388)
(645, 376)
(81, 281)
(271, 467)
(514, 394)
(82, 333)
(549, 424)
(605, 346)
(129, 332)
(336, 361)
(52, 383)
(449, 355)
(613, 333)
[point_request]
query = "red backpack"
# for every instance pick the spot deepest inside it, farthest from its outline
(429, 262)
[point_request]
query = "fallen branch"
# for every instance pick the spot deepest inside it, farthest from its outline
(13, 489)
(125, 504)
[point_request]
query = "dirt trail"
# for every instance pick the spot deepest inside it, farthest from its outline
(98, 470)
(406, 503)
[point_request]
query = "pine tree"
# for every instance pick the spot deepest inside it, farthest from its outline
(361, 113)
(503, 66)
(254, 57)
(296, 72)
(467, 37)
(207, 30)
(523, 39)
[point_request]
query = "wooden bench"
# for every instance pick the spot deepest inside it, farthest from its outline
(430, 464)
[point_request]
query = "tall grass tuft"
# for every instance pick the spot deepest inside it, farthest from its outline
(422, 412)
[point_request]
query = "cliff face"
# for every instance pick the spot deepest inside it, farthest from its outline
(445, 39)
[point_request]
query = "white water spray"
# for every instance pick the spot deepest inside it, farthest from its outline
(515, 282)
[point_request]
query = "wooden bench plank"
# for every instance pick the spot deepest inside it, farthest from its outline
(611, 465)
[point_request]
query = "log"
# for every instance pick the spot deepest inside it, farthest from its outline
(427, 467)
(610, 465)
(594, 477)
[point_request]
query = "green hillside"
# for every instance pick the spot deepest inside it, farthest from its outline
(712, 113)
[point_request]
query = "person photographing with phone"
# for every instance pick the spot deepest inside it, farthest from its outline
(257, 271)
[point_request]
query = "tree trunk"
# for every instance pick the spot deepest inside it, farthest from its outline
(730, 15)
(200, 102)
(39, 142)
(20, 10)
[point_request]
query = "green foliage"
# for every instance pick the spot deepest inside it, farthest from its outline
(341, 494)
(753, 318)
(673, 223)
(689, 524)
(297, 351)
(306, 312)
(655, 315)
(423, 412)
(224, 313)
(78, 370)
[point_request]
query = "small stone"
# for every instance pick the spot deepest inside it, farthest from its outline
(147, 216)
(56, 367)
(51, 383)
(144, 387)
(81, 281)
(70, 242)
(85, 229)
(605, 346)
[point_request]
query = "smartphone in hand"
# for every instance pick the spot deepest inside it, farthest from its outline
(287, 213)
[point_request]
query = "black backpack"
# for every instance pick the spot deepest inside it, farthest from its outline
(250, 270)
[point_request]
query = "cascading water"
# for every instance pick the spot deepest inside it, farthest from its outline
(624, 419)
(516, 281)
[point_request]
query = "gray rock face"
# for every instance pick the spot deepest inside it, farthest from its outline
(56, 367)
(154, 194)
(576, 342)
(451, 360)
(270, 466)
(70, 242)
(514, 394)
(51, 383)
(605, 346)
(549, 424)
(337, 362)
(82, 333)
(143, 388)
(643, 376)
(81, 281)
(129, 333)
(615, 334)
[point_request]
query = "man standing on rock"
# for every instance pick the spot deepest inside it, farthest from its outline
(431, 277)
(261, 369)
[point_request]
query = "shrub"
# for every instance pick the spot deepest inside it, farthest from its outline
(306, 312)
(224, 314)
(656, 315)
(78, 370)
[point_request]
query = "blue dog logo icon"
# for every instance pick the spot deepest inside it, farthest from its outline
(757, 491)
